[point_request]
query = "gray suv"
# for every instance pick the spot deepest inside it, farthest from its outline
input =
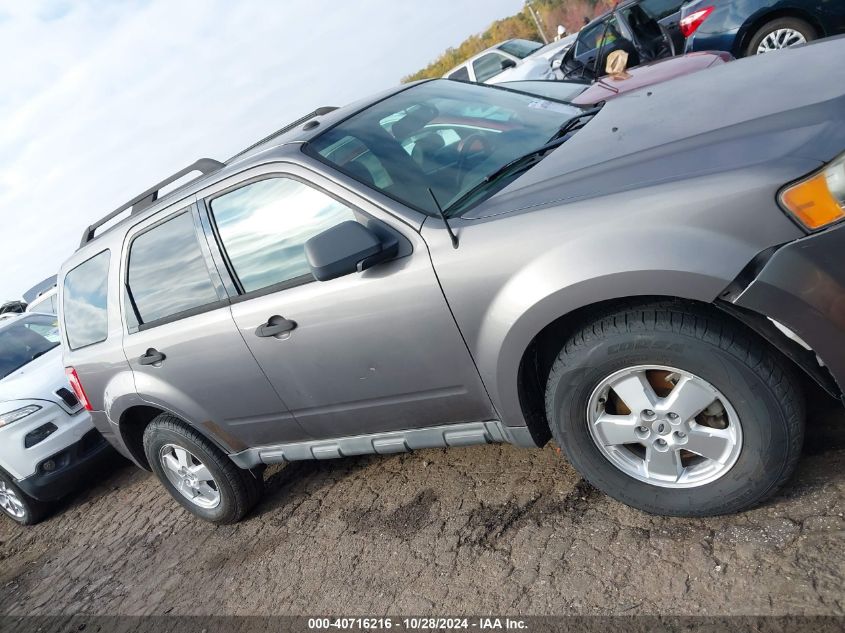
(655, 284)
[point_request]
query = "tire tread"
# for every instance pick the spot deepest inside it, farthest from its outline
(710, 326)
(247, 486)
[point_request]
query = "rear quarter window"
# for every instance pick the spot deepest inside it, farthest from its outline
(84, 293)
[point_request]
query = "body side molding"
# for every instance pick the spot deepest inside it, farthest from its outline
(466, 434)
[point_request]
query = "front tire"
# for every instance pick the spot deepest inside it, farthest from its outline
(198, 474)
(17, 505)
(780, 33)
(676, 410)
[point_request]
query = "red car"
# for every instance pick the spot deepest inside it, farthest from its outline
(608, 87)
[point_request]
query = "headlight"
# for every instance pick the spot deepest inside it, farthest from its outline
(17, 414)
(819, 200)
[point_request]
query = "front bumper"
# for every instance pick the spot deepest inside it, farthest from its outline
(70, 427)
(73, 465)
(802, 286)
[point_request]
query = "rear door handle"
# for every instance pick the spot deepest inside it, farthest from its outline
(275, 326)
(151, 357)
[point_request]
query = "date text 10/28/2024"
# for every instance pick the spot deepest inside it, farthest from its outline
(422, 623)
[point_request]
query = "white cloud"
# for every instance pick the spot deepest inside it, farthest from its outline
(100, 99)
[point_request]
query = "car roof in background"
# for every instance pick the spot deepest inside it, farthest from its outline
(624, 4)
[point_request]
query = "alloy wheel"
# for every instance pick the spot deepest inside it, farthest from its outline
(664, 426)
(780, 38)
(10, 502)
(189, 476)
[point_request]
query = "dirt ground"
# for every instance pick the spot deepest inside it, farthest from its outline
(467, 531)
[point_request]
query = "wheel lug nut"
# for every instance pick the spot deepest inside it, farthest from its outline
(673, 416)
(661, 442)
(680, 434)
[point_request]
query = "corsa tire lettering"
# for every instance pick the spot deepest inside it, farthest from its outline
(645, 344)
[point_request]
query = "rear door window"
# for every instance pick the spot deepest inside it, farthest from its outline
(168, 275)
(85, 302)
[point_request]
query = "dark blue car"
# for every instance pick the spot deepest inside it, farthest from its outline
(749, 27)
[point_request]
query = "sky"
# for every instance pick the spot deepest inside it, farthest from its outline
(99, 99)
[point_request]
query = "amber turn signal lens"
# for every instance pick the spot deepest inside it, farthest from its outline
(817, 201)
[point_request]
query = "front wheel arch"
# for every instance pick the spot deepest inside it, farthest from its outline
(538, 358)
(755, 436)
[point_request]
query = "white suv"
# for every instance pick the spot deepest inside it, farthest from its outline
(47, 440)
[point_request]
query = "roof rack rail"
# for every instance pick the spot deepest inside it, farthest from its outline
(318, 112)
(144, 200)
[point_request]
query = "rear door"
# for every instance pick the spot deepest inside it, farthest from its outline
(369, 352)
(186, 354)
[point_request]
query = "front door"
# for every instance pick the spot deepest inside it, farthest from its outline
(185, 352)
(587, 57)
(369, 352)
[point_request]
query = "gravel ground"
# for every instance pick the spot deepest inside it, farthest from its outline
(477, 530)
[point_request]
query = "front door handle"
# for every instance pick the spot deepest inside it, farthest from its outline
(275, 326)
(151, 357)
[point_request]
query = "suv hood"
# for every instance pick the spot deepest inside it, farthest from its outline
(787, 105)
(37, 380)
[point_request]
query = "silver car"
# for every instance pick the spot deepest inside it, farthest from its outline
(652, 283)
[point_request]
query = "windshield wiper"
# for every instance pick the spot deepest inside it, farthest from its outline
(42, 352)
(570, 124)
(527, 160)
(518, 164)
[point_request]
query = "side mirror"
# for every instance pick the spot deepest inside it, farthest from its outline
(508, 63)
(346, 248)
(556, 63)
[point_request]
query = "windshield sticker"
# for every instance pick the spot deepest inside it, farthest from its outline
(542, 104)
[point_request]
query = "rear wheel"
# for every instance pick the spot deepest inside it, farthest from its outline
(780, 33)
(17, 505)
(675, 410)
(197, 474)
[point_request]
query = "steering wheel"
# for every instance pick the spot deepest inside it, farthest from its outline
(469, 148)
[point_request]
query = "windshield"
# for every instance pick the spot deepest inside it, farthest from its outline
(520, 48)
(442, 135)
(24, 340)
